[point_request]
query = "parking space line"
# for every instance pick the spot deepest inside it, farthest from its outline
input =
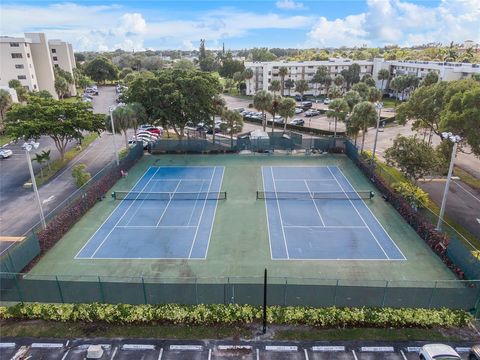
(7, 345)
(328, 348)
(138, 347)
(65, 355)
(377, 349)
(234, 347)
(413, 349)
(46, 345)
(258, 354)
(306, 354)
(114, 353)
(209, 354)
(462, 349)
(354, 355)
(403, 355)
(187, 347)
(160, 354)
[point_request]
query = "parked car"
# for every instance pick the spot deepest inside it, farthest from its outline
(148, 133)
(306, 104)
(153, 130)
(474, 353)
(298, 122)
(5, 153)
(438, 352)
(91, 90)
(326, 101)
(86, 99)
(278, 119)
(298, 111)
(217, 130)
(298, 97)
(310, 113)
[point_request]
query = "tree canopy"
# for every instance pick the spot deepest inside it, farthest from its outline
(101, 69)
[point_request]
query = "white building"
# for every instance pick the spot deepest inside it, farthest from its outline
(265, 72)
(31, 60)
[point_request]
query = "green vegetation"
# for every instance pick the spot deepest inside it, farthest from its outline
(5, 139)
(414, 195)
(80, 175)
(237, 314)
(101, 69)
(467, 178)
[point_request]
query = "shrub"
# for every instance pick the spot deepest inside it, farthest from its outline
(414, 195)
(238, 314)
(80, 176)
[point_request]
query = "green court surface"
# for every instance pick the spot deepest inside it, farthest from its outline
(239, 244)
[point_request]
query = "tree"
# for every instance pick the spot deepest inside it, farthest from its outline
(138, 115)
(273, 109)
(286, 109)
(61, 121)
(183, 64)
(430, 79)
(321, 76)
(301, 86)
(123, 118)
(413, 157)
(206, 60)
(383, 75)
(352, 75)
(61, 87)
(40, 159)
(289, 84)
(368, 80)
(101, 69)
(262, 54)
(262, 101)
(218, 109)
(334, 92)
(44, 94)
(374, 95)
(337, 109)
(362, 89)
(233, 123)
(80, 176)
(124, 72)
(339, 80)
(21, 91)
(352, 98)
(5, 103)
(230, 67)
(275, 87)
(282, 72)
(363, 116)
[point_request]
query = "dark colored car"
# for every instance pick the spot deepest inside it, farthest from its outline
(474, 353)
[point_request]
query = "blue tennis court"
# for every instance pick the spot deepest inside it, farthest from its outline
(303, 225)
(168, 214)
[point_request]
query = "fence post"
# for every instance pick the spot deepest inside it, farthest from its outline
(144, 292)
(384, 293)
(196, 291)
(59, 289)
(285, 292)
(12, 264)
(431, 295)
(102, 294)
(20, 296)
(335, 294)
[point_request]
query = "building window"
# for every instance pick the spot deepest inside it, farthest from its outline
(19, 66)
(28, 55)
(17, 56)
(54, 51)
(22, 77)
(56, 65)
(55, 58)
(34, 86)
(14, 44)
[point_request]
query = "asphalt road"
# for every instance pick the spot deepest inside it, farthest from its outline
(18, 207)
(205, 349)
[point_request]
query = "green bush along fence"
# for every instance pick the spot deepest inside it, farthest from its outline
(65, 215)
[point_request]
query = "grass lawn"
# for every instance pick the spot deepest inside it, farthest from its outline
(61, 330)
(389, 103)
(467, 178)
(4, 139)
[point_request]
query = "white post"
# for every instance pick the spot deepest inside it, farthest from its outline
(114, 141)
(35, 189)
(447, 185)
(379, 106)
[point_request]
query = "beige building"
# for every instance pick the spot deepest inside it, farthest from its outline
(32, 59)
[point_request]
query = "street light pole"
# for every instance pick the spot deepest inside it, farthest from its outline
(379, 107)
(28, 147)
(455, 139)
(113, 133)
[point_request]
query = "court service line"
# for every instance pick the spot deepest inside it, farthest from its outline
(214, 213)
(375, 218)
(305, 179)
(314, 203)
(327, 226)
(280, 214)
(266, 211)
(111, 214)
(184, 180)
(153, 227)
(363, 220)
(169, 202)
(126, 211)
(201, 214)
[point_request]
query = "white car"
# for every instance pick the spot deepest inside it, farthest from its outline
(326, 101)
(278, 119)
(298, 111)
(148, 134)
(298, 122)
(5, 153)
(438, 352)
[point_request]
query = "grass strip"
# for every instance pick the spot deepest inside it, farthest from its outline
(57, 165)
(467, 178)
(5, 139)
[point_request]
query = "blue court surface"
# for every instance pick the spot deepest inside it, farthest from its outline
(322, 229)
(145, 228)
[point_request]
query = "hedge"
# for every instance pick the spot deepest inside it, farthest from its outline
(329, 317)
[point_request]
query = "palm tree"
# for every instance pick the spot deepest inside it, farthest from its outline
(248, 74)
(233, 123)
(282, 71)
(301, 86)
(339, 81)
(273, 109)
(334, 92)
(139, 116)
(5, 103)
(383, 75)
(327, 82)
(262, 101)
(218, 108)
(275, 86)
(363, 116)
(352, 98)
(321, 75)
(40, 160)
(337, 110)
(289, 84)
(374, 95)
(286, 109)
(122, 119)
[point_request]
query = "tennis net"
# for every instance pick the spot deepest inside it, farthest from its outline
(299, 195)
(143, 195)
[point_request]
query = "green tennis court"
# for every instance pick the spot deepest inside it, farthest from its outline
(239, 240)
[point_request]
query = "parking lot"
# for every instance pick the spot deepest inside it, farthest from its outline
(255, 350)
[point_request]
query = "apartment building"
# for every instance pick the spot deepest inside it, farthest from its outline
(32, 59)
(265, 72)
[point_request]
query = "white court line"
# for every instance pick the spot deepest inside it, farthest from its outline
(314, 203)
(195, 204)
(184, 180)
(297, 179)
(169, 202)
(266, 211)
(201, 214)
(467, 191)
(109, 216)
(154, 227)
(126, 211)
(375, 218)
(370, 230)
(280, 214)
(326, 227)
(214, 214)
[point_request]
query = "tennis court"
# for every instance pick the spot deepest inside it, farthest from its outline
(168, 214)
(314, 213)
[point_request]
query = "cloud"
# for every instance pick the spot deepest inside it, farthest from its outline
(399, 22)
(289, 4)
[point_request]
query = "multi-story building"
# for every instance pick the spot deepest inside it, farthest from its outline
(265, 72)
(32, 59)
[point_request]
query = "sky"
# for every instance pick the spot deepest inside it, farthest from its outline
(156, 24)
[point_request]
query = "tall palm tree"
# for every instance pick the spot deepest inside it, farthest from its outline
(327, 82)
(289, 84)
(374, 95)
(248, 74)
(139, 116)
(301, 86)
(337, 110)
(334, 92)
(282, 71)
(275, 86)
(273, 109)
(383, 75)
(286, 109)
(218, 108)
(363, 116)
(123, 120)
(352, 98)
(339, 81)
(262, 101)
(233, 123)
